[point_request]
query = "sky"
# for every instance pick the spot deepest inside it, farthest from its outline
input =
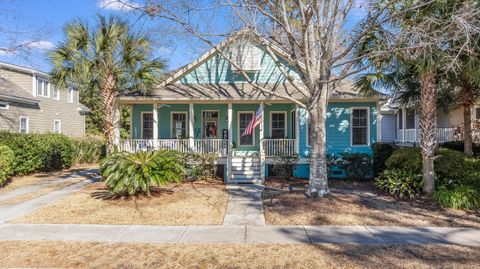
(42, 21)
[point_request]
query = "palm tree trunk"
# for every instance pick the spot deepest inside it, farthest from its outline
(318, 182)
(428, 127)
(108, 106)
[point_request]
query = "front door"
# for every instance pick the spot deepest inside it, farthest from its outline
(210, 124)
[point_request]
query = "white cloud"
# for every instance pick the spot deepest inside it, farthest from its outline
(116, 4)
(41, 45)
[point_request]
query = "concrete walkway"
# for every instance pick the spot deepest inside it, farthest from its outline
(244, 205)
(10, 212)
(241, 234)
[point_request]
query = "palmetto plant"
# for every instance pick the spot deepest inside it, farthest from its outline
(135, 173)
(109, 57)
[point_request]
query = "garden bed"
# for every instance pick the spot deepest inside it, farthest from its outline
(183, 204)
(359, 203)
(121, 255)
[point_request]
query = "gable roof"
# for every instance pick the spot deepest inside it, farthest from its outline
(12, 92)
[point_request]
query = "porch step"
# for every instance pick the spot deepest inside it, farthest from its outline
(245, 170)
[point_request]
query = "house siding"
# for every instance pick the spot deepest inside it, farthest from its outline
(41, 116)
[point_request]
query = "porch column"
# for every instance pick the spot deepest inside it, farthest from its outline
(130, 110)
(415, 126)
(297, 129)
(155, 125)
(191, 131)
(404, 121)
(116, 126)
(230, 142)
(260, 139)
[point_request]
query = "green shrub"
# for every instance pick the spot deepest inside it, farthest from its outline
(400, 183)
(7, 159)
(89, 149)
(408, 159)
(459, 146)
(453, 167)
(381, 153)
(284, 165)
(135, 173)
(459, 197)
(39, 152)
(198, 166)
(356, 165)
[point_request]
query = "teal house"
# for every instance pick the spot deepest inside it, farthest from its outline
(206, 106)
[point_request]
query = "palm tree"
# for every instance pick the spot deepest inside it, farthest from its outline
(110, 58)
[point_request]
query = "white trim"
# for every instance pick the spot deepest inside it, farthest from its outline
(70, 91)
(59, 126)
(238, 128)
(474, 114)
(130, 110)
(285, 125)
(141, 123)
(171, 122)
(368, 126)
(56, 90)
(34, 85)
(307, 132)
(379, 124)
(6, 104)
(27, 123)
(218, 122)
(230, 141)
(297, 129)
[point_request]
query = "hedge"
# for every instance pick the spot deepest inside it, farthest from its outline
(459, 146)
(7, 159)
(89, 149)
(381, 153)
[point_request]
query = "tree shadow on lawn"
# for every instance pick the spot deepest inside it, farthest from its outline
(103, 194)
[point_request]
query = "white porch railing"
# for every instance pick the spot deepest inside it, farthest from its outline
(209, 146)
(445, 135)
(278, 147)
(413, 135)
(180, 145)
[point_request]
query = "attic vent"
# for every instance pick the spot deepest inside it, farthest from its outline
(247, 56)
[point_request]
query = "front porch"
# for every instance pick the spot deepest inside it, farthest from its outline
(217, 129)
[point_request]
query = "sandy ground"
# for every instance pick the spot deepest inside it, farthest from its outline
(185, 204)
(358, 203)
(107, 255)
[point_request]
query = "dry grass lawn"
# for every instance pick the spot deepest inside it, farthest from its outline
(357, 203)
(39, 178)
(107, 255)
(187, 204)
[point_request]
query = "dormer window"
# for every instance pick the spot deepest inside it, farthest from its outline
(43, 88)
(247, 57)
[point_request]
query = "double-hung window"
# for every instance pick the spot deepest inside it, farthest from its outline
(24, 125)
(57, 126)
(278, 125)
(477, 113)
(43, 88)
(70, 94)
(359, 131)
(147, 125)
(244, 119)
(179, 125)
(56, 93)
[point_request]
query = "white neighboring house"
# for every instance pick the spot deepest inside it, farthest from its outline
(400, 125)
(30, 104)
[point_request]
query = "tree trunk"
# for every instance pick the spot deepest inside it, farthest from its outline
(318, 182)
(428, 128)
(108, 107)
(467, 133)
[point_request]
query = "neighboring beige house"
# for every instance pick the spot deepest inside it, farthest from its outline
(30, 104)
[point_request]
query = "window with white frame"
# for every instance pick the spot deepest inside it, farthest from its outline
(4, 105)
(477, 113)
(244, 119)
(70, 94)
(179, 125)
(293, 115)
(247, 56)
(57, 126)
(278, 125)
(56, 93)
(43, 87)
(359, 123)
(147, 125)
(24, 125)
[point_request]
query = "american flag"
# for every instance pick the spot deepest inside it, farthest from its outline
(253, 123)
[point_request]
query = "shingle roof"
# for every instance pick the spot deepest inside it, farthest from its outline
(10, 90)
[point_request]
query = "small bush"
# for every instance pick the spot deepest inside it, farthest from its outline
(284, 165)
(459, 197)
(454, 167)
(407, 159)
(356, 165)
(128, 174)
(459, 146)
(400, 183)
(7, 159)
(381, 153)
(89, 149)
(198, 166)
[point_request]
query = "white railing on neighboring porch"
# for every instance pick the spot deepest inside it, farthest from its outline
(278, 147)
(413, 135)
(202, 146)
(446, 134)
